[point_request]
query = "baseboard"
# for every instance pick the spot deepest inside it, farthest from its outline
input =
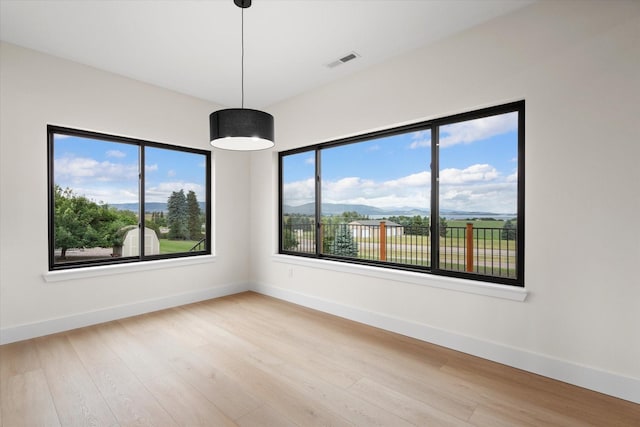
(583, 376)
(66, 323)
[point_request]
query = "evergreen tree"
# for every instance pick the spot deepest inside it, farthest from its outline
(443, 227)
(177, 217)
(193, 209)
(344, 244)
(508, 231)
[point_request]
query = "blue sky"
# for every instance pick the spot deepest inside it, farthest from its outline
(108, 172)
(478, 169)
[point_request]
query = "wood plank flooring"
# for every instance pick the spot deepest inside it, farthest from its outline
(251, 360)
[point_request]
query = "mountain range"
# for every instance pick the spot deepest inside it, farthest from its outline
(330, 209)
(338, 208)
(148, 207)
(372, 211)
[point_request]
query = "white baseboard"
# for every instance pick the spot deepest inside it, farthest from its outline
(61, 324)
(583, 376)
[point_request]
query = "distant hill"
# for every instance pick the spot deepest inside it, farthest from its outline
(148, 207)
(338, 208)
(372, 211)
(335, 209)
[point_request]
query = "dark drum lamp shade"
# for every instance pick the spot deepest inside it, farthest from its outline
(241, 129)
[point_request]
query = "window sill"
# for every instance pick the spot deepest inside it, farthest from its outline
(108, 270)
(454, 284)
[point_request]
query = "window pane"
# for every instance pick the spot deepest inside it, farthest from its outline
(95, 207)
(377, 205)
(375, 199)
(298, 203)
(478, 195)
(175, 201)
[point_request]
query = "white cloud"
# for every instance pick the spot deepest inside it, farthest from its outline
(411, 190)
(109, 194)
(474, 173)
(75, 170)
(110, 182)
(129, 194)
(171, 173)
(116, 153)
(310, 160)
(413, 180)
(496, 197)
(162, 191)
(299, 192)
(476, 188)
(513, 177)
(420, 139)
(478, 129)
(151, 168)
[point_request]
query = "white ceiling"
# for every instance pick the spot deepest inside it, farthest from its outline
(193, 47)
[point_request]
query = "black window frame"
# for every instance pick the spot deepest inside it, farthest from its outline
(433, 126)
(141, 144)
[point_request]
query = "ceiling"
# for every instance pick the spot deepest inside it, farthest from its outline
(194, 47)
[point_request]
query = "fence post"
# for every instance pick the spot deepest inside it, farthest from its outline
(469, 247)
(383, 241)
(321, 237)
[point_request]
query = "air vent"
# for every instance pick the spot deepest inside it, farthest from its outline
(346, 58)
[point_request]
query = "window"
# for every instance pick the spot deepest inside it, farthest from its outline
(444, 197)
(114, 200)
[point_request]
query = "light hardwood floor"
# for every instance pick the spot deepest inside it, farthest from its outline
(251, 360)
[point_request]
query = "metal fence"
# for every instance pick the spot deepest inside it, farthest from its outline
(487, 251)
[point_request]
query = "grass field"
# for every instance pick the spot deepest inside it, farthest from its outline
(175, 246)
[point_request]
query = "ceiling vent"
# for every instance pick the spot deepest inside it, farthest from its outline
(346, 58)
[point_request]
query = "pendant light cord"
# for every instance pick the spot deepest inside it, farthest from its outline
(242, 55)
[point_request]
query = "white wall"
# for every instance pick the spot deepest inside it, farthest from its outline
(577, 65)
(37, 90)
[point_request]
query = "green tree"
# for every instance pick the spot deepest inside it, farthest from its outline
(116, 224)
(177, 216)
(153, 224)
(349, 216)
(508, 231)
(193, 222)
(289, 240)
(81, 223)
(343, 244)
(158, 218)
(418, 226)
(443, 227)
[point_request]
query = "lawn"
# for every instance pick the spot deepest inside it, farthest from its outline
(175, 246)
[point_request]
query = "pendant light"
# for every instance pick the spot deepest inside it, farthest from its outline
(241, 129)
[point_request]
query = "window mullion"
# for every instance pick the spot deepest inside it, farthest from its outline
(141, 209)
(521, 210)
(318, 210)
(435, 190)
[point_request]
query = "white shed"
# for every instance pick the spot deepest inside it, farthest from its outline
(130, 247)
